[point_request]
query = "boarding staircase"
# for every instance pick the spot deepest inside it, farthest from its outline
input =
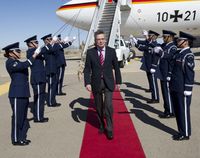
(107, 17)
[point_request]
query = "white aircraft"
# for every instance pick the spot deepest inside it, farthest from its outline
(175, 15)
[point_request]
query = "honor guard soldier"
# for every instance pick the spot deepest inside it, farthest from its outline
(19, 92)
(163, 57)
(51, 69)
(147, 47)
(61, 64)
(38, 79)
(50, 51)
(181, 85)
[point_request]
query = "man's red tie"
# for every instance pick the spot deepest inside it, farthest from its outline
(101, 58)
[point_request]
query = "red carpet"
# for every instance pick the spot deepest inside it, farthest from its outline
(125, 144)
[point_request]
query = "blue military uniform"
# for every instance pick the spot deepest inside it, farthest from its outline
(147, 47)
(19, 94)
(38, 82)
(50, 52)
(61, 64)
(181, 83)
(51, 69)
(165, 58)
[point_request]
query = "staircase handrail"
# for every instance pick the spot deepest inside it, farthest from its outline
(96, 16)
(115, 30)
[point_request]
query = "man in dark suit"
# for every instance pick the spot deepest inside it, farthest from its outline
(98, 76)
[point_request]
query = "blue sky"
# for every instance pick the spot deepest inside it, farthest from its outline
(20, 19)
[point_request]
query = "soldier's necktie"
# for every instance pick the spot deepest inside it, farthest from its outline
(101, 57)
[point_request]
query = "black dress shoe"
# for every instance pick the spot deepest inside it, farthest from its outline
(110, 135)
(179, 137)
(147, 90)
(61, 93)
(20, 143)
(45, 119)
(55, 105)
(27, 141)
(101, 129)
(166, 115)
(152, 101)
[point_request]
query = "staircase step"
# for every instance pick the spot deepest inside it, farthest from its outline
(110, 4)
(110, 20)
(113, 8)
(104, 25)
(107, 19)
(108, 13)
(107, 16)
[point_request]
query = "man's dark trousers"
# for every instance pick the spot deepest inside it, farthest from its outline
(103, 102)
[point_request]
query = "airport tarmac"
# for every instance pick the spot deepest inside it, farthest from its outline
(62, 136)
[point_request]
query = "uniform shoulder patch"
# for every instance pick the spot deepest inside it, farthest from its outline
(173, 48)
(190, 60)
(190, 64)
(15, 64)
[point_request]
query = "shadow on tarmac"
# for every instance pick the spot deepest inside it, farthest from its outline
(131, 85)
(197, 83)
(137, 103)
(78, 58)
(141, 115)
(79, 114)
(152, 121)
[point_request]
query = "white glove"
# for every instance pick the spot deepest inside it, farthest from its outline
(133, 40)
(66, 39)
(55, 38)
(73, 39)
(38, 50)
(131, 36)
(157, 49)
(152, 71)
(187, 93)
(168, 78)
(145, 33)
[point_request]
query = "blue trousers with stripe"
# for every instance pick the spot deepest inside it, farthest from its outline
(182, 112)
(60, 76)
(149, 79)
(39, 100)
(20, 122)
(52, 83)
(154, 87)
(168, 106)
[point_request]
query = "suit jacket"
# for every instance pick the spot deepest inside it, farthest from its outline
(93, 71)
